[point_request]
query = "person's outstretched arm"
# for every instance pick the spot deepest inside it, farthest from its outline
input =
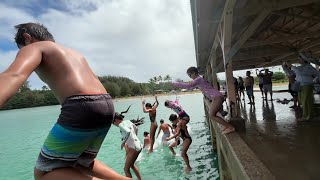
(26, 61)
(188, 85)
(177, 133)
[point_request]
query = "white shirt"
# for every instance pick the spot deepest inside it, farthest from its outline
(128, 131)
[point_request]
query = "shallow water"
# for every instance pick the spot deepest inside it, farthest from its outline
(23, 131)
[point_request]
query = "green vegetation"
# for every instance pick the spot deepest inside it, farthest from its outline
(116, 86)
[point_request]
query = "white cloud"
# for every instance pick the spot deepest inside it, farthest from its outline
(136, 39)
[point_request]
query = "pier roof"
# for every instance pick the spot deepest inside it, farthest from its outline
(263, 32)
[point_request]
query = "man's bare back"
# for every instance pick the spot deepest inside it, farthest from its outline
(65, 71)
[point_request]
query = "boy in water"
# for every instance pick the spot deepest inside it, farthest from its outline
(87, 111)
(183, 132)
(152, 111)
(133, 146)
(166, 131)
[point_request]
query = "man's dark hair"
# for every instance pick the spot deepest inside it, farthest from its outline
(36, 30)
(192, 69)
(161, 121)
(148, 105)
(173, 117)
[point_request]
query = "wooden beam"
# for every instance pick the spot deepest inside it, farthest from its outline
(303, 35)
(303, 48)
(261, 52)
(305, 18)
(246, 35)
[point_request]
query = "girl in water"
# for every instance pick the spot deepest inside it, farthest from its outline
(152, 110)
(214, 96)
(183, 132)
(131, 143)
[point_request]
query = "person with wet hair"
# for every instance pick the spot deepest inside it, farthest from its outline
(71, 147)
(214, 97)
(183, 132)
(152, 111)
(130, 141)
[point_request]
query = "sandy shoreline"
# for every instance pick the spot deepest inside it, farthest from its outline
(188, 92)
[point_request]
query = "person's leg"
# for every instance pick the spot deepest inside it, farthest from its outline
(100, 170)
(153, 128)
(214, 108)
(131, 158)
(261, 89)
(171, 147)
(270, 90)
(185, 146)
(308, 102)
(136, 171)
(63, 174)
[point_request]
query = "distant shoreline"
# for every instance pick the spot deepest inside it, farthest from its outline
(191, 92)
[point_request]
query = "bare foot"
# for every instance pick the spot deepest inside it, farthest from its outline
(187, 170)
(228, 130)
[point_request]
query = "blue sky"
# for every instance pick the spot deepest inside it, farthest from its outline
(138, 39)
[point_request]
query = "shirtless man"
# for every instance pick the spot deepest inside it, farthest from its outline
(87, 110)
(184, 134)
(166, 131)
(152, 110)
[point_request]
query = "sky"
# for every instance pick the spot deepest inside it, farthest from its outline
(137, 39)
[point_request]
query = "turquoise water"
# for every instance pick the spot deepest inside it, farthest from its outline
(23, 131)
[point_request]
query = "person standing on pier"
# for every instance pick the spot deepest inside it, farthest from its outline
(260, 76)
(182, 130)
(249, 82)
(87, 111)
(305, 73)
(267, 83)
(291, 77)
(152, 111)
(214, 97)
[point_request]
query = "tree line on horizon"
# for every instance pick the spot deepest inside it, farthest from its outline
(116, 86)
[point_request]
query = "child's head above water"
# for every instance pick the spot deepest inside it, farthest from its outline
(148, 105)
(145, 133)
(173, 117)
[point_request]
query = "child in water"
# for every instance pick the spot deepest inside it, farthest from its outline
(214, 96)
(131, 143)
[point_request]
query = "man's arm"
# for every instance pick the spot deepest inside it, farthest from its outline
(177, 133)
(26, 61)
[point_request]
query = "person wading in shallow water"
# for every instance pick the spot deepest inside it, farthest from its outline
(87, 111)
(152, 110)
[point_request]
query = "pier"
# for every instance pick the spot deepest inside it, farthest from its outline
(236, 35)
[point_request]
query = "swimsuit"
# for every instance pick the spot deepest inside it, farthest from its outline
(76, 138)
(128, 131)
(176, 107)
(184, 135)
(164, 136)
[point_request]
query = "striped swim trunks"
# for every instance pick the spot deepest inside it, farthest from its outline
(76, 138)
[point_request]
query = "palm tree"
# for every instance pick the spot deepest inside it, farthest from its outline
(155, 79)
(167, 78)
(160, 79)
